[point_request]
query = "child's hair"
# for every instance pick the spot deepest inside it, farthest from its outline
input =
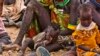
(85, 11)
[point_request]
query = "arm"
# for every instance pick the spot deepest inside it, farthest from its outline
(88, 49)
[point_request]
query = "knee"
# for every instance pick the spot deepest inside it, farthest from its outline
(29, 42)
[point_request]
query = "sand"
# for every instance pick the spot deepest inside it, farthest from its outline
(13, 32)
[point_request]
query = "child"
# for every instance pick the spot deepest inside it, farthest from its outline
(86, 33)
(48, 39)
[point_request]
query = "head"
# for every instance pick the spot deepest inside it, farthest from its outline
(52, 30)
(85, 12)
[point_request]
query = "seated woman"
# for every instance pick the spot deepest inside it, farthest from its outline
(86, 33)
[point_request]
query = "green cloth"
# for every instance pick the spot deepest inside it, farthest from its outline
(62, 4)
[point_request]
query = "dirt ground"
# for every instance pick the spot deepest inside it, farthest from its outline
(13, 32)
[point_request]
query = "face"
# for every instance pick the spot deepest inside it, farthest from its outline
(86, 18)
(86, 22)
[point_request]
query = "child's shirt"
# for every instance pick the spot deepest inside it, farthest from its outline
(87, 36)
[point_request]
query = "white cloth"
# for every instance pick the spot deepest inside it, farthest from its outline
(13, 10)
(91, 26)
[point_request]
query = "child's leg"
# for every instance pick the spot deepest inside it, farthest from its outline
(54, 47)
(31, 45)
(25, 44)
(71, 52)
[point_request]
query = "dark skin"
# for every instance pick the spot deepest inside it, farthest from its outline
(49, 37)
(85, 15)
(71, 52)
(47, 21)
(74, 13)
(85, 20)
(32, 7)
(43, 18)
(73, 16)
(49, 41)
(95, 14)
(27, 20)
(73, 20)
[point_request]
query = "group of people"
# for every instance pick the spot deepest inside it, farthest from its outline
(51, 25)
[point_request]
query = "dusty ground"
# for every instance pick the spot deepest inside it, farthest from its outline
(13, 32)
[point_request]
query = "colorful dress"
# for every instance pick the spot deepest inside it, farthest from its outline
(56, 17)
(87, 36)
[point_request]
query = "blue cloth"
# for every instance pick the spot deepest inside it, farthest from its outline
(95, 3)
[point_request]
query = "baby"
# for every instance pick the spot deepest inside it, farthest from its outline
(86, 33)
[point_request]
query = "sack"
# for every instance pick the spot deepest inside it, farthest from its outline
(9, 2)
